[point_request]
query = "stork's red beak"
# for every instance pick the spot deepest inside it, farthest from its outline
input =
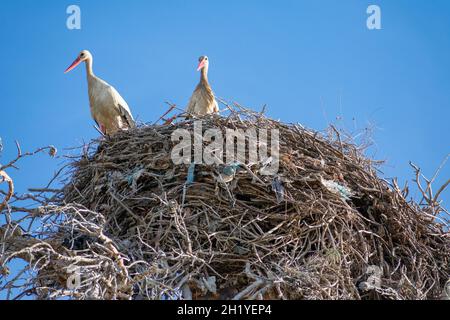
(201, 65)
(73, 65)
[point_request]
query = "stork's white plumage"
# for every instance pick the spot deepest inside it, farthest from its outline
(108, 108)
(203, 101)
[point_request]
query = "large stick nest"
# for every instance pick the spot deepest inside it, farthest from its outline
(129, 226)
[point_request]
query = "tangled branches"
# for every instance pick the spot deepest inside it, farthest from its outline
(130, 224)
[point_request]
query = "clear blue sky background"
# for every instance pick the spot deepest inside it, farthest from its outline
(309, 61)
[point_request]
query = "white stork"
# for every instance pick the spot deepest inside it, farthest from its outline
(202, 101)
(108, 108)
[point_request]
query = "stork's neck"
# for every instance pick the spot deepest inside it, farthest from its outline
(204, 75)
(89, 70)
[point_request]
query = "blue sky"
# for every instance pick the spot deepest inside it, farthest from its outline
(309, 61)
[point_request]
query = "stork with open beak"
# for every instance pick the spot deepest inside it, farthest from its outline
(108, 109)
(203, 101)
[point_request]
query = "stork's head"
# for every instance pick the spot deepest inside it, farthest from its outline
(203, 63)
(83, 56)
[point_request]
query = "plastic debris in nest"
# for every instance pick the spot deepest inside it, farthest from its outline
(228, 172)
(265, 165)
(205, 286)
(278, 188)
(130, 177)
(373, 282)
(208, 284)
(336, 188)
(189, 180)
(191, 174)
(446, 293)
(134, 176)
(172, 295)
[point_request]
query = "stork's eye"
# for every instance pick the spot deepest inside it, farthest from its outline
(82, 55)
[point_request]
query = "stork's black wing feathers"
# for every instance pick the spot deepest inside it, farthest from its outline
(126, 116)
